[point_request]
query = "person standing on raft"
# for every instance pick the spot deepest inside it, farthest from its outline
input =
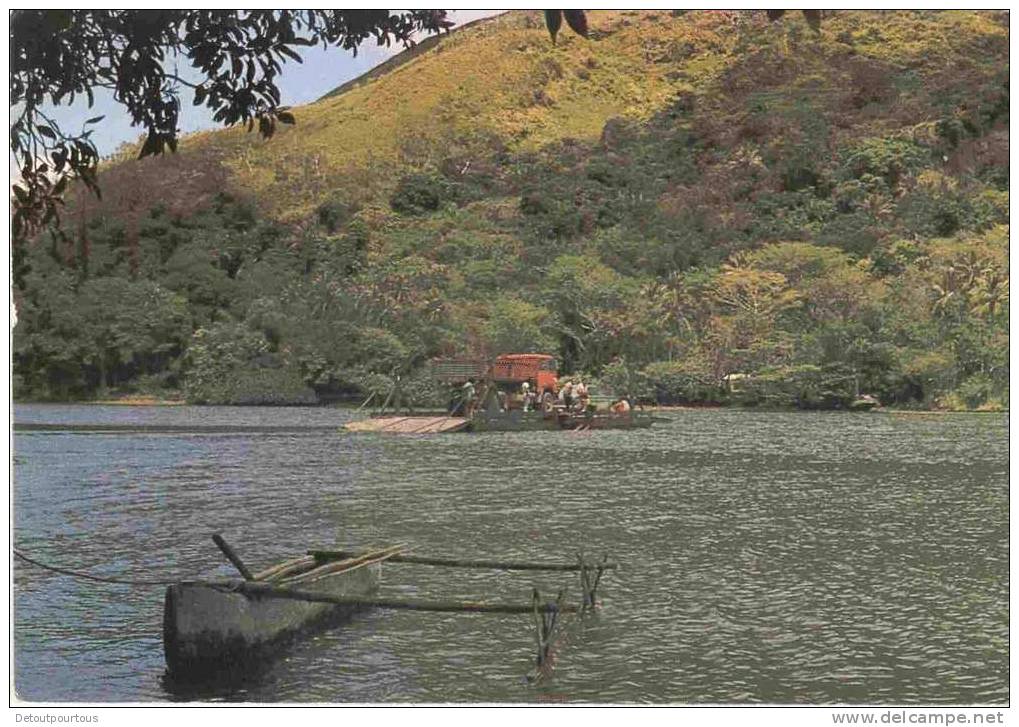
(467, 398)
(581, 394)
(566, 395)
(527, 395)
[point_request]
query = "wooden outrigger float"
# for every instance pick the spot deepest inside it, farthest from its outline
(212, 628)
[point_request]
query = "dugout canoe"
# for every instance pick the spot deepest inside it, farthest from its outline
(218, 627)
(600, 420)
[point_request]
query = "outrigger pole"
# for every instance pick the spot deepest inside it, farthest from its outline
(463, 563)
(271, 584)
(546, 615)
(232, 556)
(547, 623)
(268, 590)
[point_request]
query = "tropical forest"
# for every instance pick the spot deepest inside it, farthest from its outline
(695, 208)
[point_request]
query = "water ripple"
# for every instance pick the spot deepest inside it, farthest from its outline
(775, 558)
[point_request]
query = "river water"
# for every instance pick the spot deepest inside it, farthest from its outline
(812, 558)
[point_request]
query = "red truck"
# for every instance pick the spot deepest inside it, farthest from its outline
(507, 372)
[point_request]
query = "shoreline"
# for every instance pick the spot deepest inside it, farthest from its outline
(154, 402)
(876, 410)
(135, 401)
(126, 401)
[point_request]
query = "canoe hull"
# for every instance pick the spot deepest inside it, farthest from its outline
(512, 421)
(211, 628)
(607, 421)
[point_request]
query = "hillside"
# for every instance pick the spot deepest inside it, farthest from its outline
(678, 198)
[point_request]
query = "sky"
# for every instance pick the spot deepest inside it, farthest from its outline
(322, 70)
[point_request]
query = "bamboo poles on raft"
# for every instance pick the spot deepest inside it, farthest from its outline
(465, 563)
(282, 570)
(333, 567)
(301, 568)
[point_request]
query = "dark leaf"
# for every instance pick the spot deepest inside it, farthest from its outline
(289, 53)
(153, 145)
(265, 126)
(46, 131)
(577, 21)
(553, 21)
(95, 119)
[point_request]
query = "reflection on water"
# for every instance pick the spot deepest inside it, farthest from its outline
(767, 557)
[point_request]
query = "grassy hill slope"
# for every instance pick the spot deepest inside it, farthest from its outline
(503, 82)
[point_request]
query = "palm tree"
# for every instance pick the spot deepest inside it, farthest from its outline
(990, 293)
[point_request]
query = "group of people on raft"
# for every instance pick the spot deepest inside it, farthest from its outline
(573, 397)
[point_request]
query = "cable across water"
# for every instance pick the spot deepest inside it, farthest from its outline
(89, 576)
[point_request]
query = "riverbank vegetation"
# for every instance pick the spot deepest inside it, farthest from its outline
(784, 219)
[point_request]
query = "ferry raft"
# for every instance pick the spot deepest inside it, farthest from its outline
(511, 393)
(507, 421)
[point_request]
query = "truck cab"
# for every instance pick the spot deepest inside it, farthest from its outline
(538, 369)
(506, 373)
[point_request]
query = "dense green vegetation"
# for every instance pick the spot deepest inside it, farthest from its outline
(817, 217)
